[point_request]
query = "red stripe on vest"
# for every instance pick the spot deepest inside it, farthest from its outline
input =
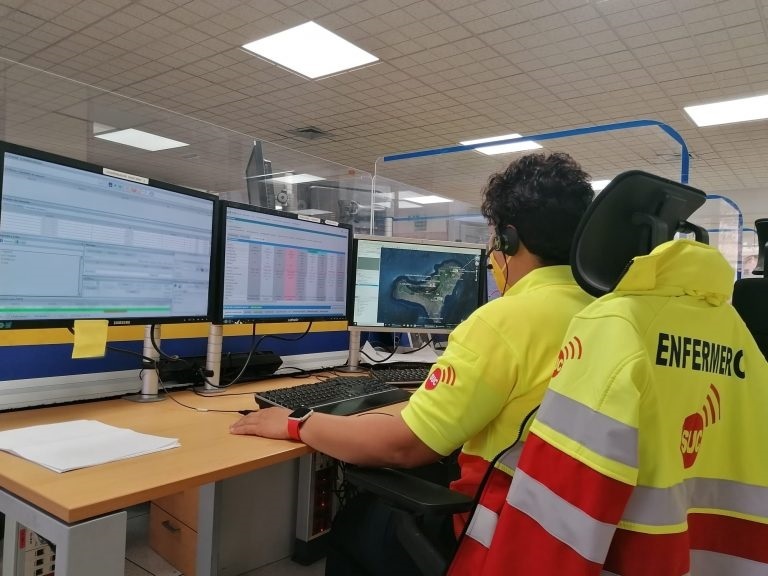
(601, 497)
(639, 554)
(732, 536)
(521, 546)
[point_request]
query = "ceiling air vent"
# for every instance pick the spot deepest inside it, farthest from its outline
(310, 133)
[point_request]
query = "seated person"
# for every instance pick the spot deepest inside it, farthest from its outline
(647, 456)
(492, 374)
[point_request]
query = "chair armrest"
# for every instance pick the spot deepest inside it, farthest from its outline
(409, 492)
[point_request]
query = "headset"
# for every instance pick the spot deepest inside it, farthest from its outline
(506, 240)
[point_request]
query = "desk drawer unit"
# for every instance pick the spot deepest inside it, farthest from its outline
(173, 530)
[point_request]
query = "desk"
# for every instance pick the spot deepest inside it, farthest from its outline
(82, 512)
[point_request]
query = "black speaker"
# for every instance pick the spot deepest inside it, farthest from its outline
(506, 240)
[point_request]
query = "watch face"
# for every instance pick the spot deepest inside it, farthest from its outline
(300, 413)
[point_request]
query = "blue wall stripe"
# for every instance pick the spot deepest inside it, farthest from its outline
(674, 134)
(48, 360)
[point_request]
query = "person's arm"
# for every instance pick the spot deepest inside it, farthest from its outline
(373, 439)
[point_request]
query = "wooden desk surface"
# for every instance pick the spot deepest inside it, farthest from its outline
(208, 453)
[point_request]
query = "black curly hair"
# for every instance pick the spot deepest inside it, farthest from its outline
(543, 197)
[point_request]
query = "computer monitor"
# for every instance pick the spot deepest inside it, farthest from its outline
(79, 241)
(492, 290)
(412, 285)
(281, 267)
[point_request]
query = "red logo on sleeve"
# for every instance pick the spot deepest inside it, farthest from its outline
(571, 350)
(439, 375)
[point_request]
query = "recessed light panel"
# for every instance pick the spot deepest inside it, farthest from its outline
(297, 178)
(598, 185)
(310, 50)
(432, 199)
(141, 139)
(502, 148)
(730, 111)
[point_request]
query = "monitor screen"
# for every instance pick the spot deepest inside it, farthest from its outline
(277, 266)
(78, 241)
(492, 291)
(416, 284)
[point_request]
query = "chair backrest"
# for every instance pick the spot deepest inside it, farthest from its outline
(635, 213)
(750, 298)
(761, 227)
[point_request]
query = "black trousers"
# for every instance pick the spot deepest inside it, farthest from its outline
(363, 541)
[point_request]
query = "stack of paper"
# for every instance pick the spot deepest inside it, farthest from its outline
(80, 443)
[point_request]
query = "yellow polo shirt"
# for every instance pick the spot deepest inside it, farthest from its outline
(495, 370)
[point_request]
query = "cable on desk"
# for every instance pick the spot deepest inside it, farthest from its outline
(394, 352)
(195, 408)
(254, 346)
(176, 358)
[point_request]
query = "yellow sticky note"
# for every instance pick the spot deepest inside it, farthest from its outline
(90, 339)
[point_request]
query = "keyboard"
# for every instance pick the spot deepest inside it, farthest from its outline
(341, 395)
(402, 375)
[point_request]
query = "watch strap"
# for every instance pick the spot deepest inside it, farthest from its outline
(294, 424)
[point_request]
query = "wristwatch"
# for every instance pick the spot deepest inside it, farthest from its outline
(296, 419)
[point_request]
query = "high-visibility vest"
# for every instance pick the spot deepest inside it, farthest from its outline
(647, 456)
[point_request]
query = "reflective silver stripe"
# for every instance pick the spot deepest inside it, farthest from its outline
(483, 525)
(657, 506)
(705, 563)
(588, 537)
(511, 456)
(667, 506)
(728, 495)
(598, 432)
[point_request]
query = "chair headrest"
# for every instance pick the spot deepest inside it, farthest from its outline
(635, 213)
(761, 227)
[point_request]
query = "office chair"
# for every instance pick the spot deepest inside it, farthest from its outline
(635, 213)
(750, 295)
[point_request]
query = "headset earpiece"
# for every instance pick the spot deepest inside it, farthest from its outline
(506, 240)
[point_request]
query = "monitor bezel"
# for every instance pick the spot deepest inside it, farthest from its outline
(218, 313)
(482, 287)
(15, 324)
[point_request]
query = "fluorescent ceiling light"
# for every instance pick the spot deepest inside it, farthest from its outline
(403, 204)
(730, 111)
(503, 148)
(598, 185)
(310, 50)
(141, 139)
(432, 199)
(297, 178)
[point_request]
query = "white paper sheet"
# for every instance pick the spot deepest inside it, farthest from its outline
(80, 443)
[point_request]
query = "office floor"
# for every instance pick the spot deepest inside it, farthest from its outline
(140, 560)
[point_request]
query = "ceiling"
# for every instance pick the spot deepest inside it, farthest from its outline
(449, 70)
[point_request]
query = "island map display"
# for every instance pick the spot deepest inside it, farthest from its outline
(426, 288)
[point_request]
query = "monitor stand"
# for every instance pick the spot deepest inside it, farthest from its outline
(353, 364)
(149, 380)
(419, 339)
(213, 360)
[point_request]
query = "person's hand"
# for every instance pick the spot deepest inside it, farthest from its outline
(267, 422)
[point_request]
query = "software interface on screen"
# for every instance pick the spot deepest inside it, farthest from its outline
(76, 244)
(411, 285)
(282, 267)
